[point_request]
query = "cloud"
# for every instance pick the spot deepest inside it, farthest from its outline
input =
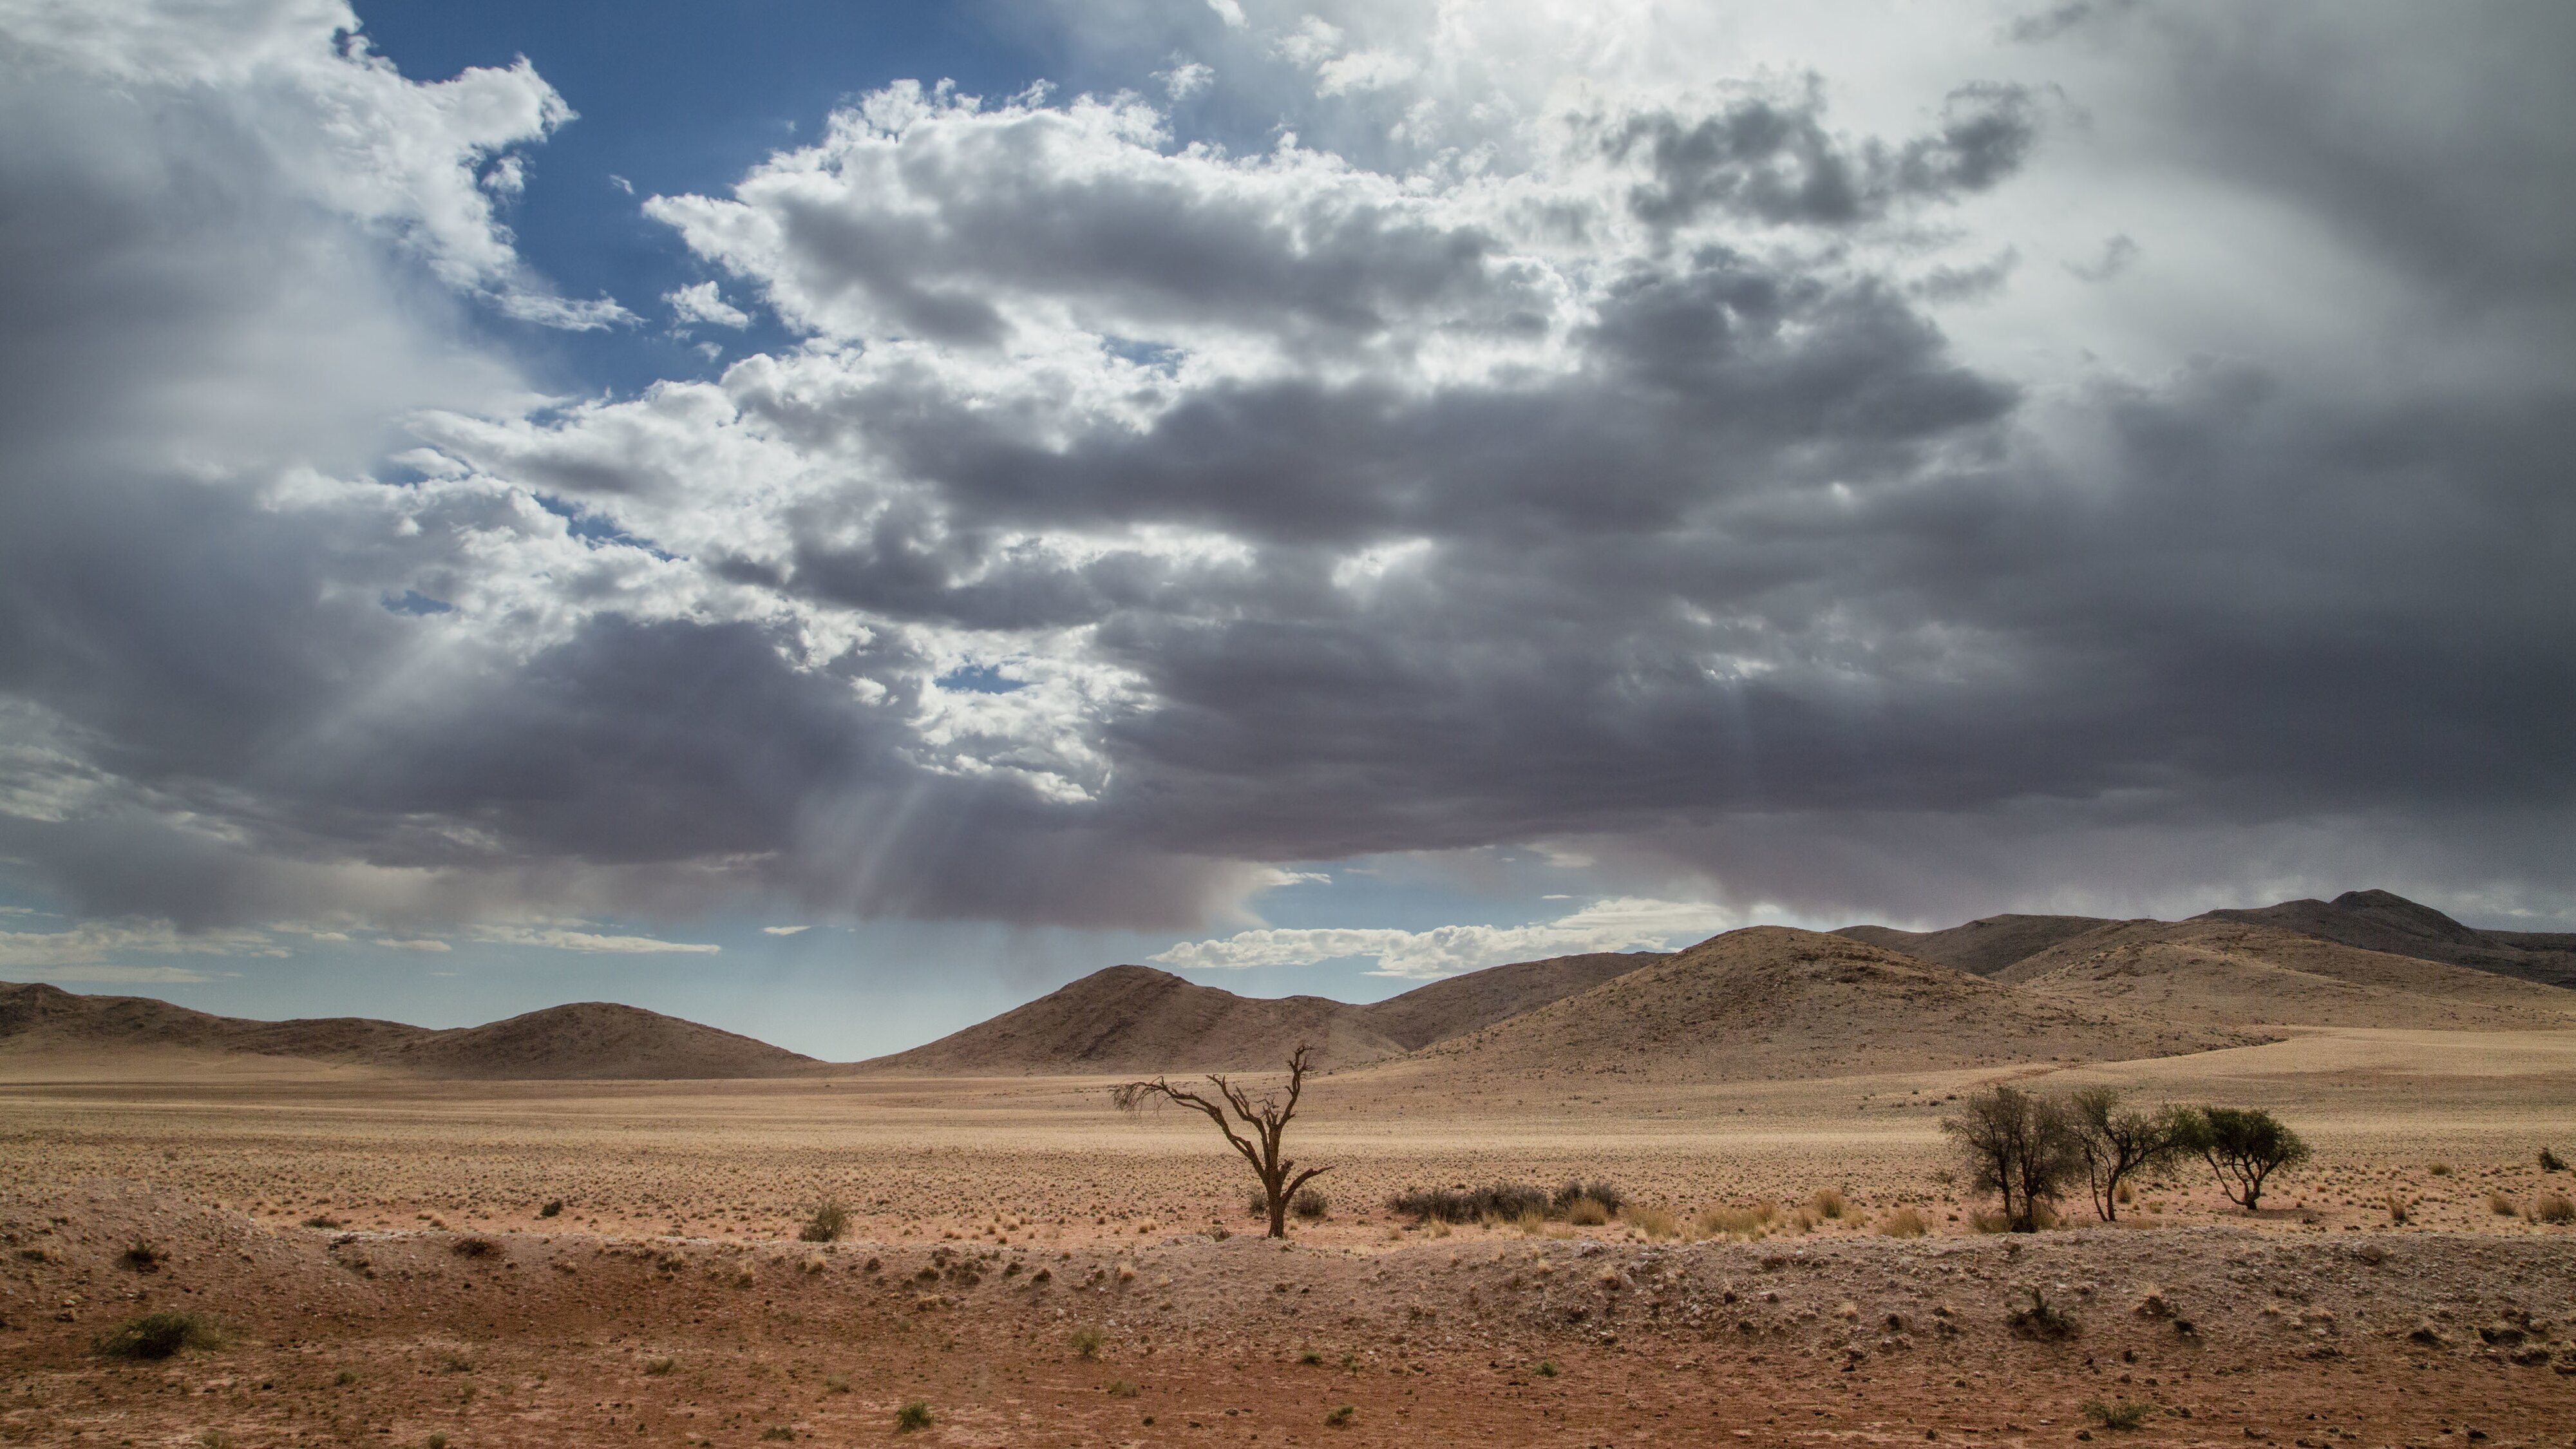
(128, 975)
(701, 302)
(431, 945)
(555, 938)
(1543, 436)
(92, 943)
(783, 930)
(1624, 924)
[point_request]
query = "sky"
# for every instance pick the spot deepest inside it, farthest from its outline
(835, 519)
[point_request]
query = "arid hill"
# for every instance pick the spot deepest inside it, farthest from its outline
(2381, 921)
(1982, 947)
(2229, 972)
(587, 1040)
(1478, 999)
(1769, 1001)
(1138, 1019)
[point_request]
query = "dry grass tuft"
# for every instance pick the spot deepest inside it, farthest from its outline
(1905, 1222)
(1655, 1222)
(1828, 1203)
(1734, 1222)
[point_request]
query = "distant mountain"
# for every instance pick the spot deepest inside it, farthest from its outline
(2382, 921)
(1138, 1019)
(1478, 999)
(2224, 971)
(1982, 947)
(586, 1040)
(1770, 1002)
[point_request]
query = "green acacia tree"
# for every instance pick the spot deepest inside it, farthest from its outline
(2245, 1146)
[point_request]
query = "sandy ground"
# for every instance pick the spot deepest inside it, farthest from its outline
(1007, 1221)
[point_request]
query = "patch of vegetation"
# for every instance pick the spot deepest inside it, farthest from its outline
(2440, 1169)
(142, 1257)
(1608, 1197)
(1341, 1417)
(2554, 1209)
(829, 1224)
(1123, 1389)
(1503, 1201)
(474, 1247)
(777, 1431)
(553, 1208)
(836, 1383)
(1735, 1222)
(2501, 1205)
(1547, 1368)
(1086, 1341)
(453, 1362)
(1828, 1203)
(345, 1377)
(1587, 1212)
(657, 1367)
(1905, 1222)
(1310, 1204)
(321, 1221)
(915, 1415)
(2040, 1320)
(1310, 1358)
(2551, 1161)
(158, 1335)
(2398, 1208)
(2116, 1416)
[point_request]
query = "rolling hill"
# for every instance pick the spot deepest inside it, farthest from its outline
(584, 1040)
(2381, 921)
(1770, 1001)
(1138, 1019)
(2230, 972)
(1981, 947)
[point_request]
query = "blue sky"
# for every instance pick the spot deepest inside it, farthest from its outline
(832, 520)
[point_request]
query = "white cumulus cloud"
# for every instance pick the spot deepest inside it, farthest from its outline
(1619, 924)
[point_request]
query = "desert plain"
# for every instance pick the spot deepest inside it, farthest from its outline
(364, 1233)
(1033, 1267)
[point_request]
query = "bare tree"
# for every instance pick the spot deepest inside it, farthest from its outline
(1264, 1121)
(2019, 1146)
(2117, 1144)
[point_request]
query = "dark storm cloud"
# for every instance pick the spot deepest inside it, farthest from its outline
(1774, 159)
(1309, 512)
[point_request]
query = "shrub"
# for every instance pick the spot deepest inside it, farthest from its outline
(1828, 1203)
(2554, 1209)
(553, 1208)
(2501, 1205)
(142, 1257)
(2551, 1161)
(1547, 1368)
(158, 1335)
(2115, 1145)
(320, 1221)
(2397, 1208)
(1086, 1341)
(345, 1377)
(829, 1224)
(1743, 1222)
(2440, 1169)
(777, 1431)
(474, 1247)
(2040, 1320)
(836, 1383)
(1610, 1198)
(915, 1415)
(2115, 1416)
(1310, 1358)
(1123, 1389)
(657, 1367)
(1587, 1212)
(1310, 1204)
(1495, 1201)
(1340, 1417)
(1905, 1222)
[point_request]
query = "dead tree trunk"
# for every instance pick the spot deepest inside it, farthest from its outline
(1263, 1123)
